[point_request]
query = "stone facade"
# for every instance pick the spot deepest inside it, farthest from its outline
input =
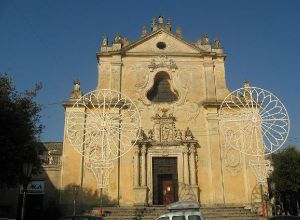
(178, 87)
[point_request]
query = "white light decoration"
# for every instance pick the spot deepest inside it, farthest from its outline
(262, 168)
(102, 126)
(254, 121)
(101, 172)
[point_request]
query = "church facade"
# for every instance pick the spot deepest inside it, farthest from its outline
(178, 87)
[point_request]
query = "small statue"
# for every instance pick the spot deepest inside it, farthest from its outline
(50, 160)
(198, 42)
(178, 31)
(217, 44)
(205, 40)
(104, 41)
(168, 25)
(76, 85)
(150, 134)
(144, 31)
(189, 134)
(153, 25)
(160, 20)
(142, 136)
(76, 93)
(178, 135)
(117, 38)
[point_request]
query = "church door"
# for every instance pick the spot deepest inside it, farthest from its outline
(165, 180)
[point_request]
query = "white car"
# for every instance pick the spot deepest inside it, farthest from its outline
(185, 210)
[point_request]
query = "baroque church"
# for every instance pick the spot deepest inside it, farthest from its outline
(177, 87)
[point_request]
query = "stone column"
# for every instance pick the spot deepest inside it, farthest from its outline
(144, 173)
(192, 164)
(186, 165)
(136, 166)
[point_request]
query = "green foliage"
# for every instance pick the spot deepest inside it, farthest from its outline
(19, 131)
(286, 174)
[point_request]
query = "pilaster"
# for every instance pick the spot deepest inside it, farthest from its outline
(209, 79)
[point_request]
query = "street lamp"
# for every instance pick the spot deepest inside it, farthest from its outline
(27, 169)
(75, 192)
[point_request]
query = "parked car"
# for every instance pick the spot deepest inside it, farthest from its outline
(184, 210)
(285, 218)
(81, 217)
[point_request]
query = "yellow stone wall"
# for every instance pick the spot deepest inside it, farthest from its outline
(199, 78)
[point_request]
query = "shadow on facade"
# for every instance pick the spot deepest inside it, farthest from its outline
(45, 199)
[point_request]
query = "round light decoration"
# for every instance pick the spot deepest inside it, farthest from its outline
(103, 125)
(254, 121)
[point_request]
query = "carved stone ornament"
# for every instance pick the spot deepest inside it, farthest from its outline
(164, 131)
(232, 161)
(162, 61)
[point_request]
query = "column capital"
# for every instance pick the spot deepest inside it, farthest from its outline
(136, 149)
(144, 149)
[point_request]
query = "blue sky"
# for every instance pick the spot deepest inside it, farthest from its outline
(55, 41)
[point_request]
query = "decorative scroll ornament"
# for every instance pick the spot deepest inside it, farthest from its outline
(232, 160)
(254, 121)
(102, 126)
(162, 61)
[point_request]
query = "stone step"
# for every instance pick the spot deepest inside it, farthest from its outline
(151, 213)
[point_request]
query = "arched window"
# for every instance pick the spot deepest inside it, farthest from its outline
(162, 90)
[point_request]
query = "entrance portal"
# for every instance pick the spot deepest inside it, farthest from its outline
(165, 180)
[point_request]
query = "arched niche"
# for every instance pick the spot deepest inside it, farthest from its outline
(162, 90)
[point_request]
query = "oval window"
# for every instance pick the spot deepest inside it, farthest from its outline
(161, 45)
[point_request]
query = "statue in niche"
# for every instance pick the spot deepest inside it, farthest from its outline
(165, 132)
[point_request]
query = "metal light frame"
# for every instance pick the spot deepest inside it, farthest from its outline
(254, 120)
(103, 126)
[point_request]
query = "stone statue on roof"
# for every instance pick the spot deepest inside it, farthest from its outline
(217, 44)
(104, 41)
(153, 25)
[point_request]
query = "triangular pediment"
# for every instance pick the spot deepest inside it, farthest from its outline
(173, 44)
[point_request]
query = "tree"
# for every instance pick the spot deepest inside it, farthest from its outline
(19, 131)
(286, 176)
